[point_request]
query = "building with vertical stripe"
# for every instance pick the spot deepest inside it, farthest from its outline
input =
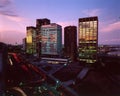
(88, 39)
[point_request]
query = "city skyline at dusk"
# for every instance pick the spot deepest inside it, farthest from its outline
(16, 15)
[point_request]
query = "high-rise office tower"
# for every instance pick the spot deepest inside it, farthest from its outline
(31, 40)
(39, 23)
(88, 39)
(70, 42)
(51, 39)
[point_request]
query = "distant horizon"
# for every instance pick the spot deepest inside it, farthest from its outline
(62, 44)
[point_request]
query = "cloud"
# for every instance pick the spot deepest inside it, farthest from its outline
(94, 12)
(12, 25)
(7, 8)
(15, 19)
(13, 29)
(4, 3)
(109, 32)
(8, 13)
(67, 23)
(112, 27)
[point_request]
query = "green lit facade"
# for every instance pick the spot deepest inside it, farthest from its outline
(88, 39)
(31, 40)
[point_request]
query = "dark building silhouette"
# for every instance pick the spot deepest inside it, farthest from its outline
(39, 23)
(24, 44)
(70, 42)
(88, 39)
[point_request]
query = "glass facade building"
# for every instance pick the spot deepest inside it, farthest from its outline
(31, 40)
(51, 39)
(88, 39)
(39, 23)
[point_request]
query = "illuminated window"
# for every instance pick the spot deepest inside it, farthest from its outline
(88, 28)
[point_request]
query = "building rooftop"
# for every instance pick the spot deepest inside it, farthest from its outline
(51, 25)
(93, 83)
(68, 72)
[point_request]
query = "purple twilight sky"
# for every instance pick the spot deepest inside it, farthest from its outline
(15, 15)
